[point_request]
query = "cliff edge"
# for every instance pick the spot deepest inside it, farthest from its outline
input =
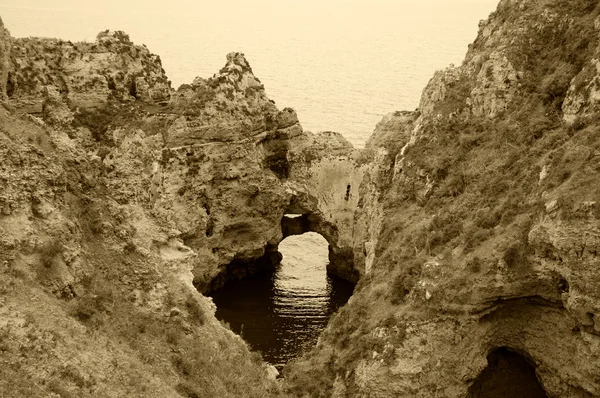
(123, 200)
(471, 225)
(480, 227)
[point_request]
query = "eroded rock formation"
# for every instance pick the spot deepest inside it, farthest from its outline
(471, 225)
(122, 198)
(482, 213)
(85, 74)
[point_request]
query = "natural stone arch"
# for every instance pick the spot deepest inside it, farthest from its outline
(309, 219)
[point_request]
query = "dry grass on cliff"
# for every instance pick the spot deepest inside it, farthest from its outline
(49, 251)
(197, 359)
(104, 342)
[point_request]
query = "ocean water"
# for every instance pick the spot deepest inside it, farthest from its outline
(342, 64)
(281, 314)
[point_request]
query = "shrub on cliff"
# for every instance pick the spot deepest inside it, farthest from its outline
(98, 121)
(91, 307)
(49, 251)
(191, 100)
(195, 311)
(455, 99)
(407, 275)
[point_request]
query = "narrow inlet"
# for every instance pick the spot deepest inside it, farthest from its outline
(281, 313)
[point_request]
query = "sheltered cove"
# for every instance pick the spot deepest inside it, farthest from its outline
(470, 225)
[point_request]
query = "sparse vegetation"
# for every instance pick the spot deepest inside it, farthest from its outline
(404, 281)
(98, 121)
(195, 310)
(458, 209)
(49, 251)
(456, 96)
(515, 255)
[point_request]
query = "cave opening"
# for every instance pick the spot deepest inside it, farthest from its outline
(508, 374)
(282, 311)
(10, 86)
(133, 88)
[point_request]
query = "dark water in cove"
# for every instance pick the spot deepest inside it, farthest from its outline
(282, 313)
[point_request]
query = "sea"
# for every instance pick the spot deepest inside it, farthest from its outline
(341, 64)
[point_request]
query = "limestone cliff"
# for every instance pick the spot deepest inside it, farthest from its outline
(471, 225)
(480, 220)
(85, 74)
(123, 198)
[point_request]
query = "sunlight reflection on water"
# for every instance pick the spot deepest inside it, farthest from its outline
(281, 314)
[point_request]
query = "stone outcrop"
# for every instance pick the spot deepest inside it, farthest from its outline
(471, 224)
(54, 109)
(583, 96)
(122, 210)
(325, 177)
(479, 230)
(217, 168)
(85, 74)
(5, 50)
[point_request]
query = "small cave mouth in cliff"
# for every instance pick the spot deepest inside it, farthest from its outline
(10, 86)
(279, 165)
(133, 89)
(281, 312)
(508, 374)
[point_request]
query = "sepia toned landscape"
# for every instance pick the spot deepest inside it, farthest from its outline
(462, 240)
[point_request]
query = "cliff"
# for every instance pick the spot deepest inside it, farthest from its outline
(470, 225)
(85, 74)
(123, 200)
(480, 226)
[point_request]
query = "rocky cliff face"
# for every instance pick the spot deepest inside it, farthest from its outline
(123, 198)
(481, 208)
(5, 48)
(85, 74)
(470, 224)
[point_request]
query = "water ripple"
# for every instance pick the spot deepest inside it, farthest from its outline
(281, 314)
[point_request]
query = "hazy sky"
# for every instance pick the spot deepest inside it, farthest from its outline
(262, 10)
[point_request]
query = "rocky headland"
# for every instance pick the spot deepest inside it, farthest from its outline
(470, 225)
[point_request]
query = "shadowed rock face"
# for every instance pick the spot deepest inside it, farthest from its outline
(5, 50)
(507, 375)
(85, 74)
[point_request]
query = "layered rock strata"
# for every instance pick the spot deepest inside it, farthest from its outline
(122, 198)
(85, 74)
(470, 224)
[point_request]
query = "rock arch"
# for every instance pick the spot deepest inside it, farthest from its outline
(309, 218)
(301, 215)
